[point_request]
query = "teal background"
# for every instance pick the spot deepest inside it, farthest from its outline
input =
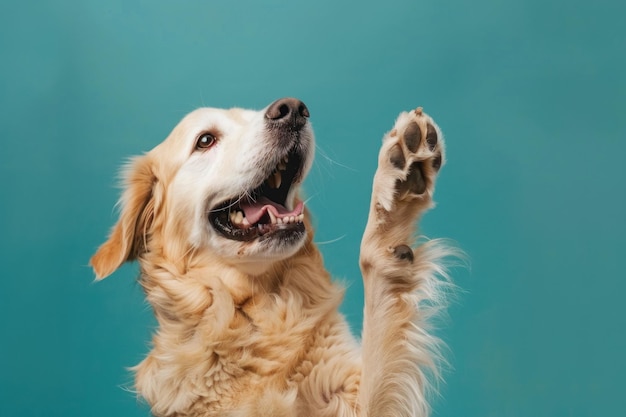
(530, 94)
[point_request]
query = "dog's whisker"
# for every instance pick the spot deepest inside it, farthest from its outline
(306, 202)
(230, 205)
(327, 158)
(247, 194)
(328, 242)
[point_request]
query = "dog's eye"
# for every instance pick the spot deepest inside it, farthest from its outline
(205, 141)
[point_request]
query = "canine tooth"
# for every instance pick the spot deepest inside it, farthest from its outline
(301, 217)
(245, 222)
(232, 216)
(272, 217)
(239, 217)
(279, 220)
(278, 179)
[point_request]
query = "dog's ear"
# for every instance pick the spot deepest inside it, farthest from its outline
(128, 237)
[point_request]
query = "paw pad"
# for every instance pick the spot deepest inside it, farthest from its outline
(396, 156)
(412, 137)
(431, 137)
(404, 253)
(414, 183)
(437, 162)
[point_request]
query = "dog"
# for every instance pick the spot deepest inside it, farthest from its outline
(248, 319)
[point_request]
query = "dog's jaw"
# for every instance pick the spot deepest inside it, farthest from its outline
(266, 209)
(255, 256)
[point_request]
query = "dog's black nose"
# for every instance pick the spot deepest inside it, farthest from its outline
(288, 111)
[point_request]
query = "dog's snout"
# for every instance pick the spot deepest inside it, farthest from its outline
(289, 111)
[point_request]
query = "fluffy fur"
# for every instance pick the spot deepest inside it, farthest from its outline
(252, 328)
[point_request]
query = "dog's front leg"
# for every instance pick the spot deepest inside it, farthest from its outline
(399, 281)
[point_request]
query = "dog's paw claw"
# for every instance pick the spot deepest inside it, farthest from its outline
(403, 253)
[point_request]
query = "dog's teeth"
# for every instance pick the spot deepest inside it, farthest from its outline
(301, 217)
(236, 217)
(272, 217)
(245, 222)
(278, 179)
(281, 166)
(279, 220)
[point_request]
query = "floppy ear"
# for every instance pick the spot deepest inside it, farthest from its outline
(128, 236)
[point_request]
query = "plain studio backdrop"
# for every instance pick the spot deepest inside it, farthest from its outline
(530, 94)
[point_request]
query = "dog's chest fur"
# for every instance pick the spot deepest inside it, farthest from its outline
(237, 341)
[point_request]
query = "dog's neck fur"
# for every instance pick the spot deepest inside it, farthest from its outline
(225, 329)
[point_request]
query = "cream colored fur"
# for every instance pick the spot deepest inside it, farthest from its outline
(249, 331)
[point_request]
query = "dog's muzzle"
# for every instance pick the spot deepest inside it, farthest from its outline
(263, 210)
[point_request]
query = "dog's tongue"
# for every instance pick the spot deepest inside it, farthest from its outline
(254, 210)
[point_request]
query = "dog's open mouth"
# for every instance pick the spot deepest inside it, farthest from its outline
(262, 212)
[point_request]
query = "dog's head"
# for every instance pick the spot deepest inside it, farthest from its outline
(224, 182)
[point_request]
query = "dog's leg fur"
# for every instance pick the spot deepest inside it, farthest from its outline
(400, 282)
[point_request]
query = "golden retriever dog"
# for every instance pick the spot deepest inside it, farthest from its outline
(248, 317)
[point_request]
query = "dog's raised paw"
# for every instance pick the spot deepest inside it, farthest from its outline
(411, 156)
(417, 152)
